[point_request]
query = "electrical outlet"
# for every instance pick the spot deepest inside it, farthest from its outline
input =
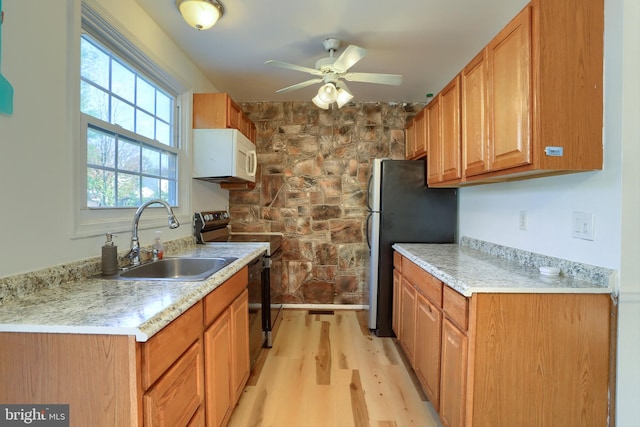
(522, 220)
(582, 224)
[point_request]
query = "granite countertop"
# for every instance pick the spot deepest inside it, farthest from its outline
(141, 308)
(469, 270)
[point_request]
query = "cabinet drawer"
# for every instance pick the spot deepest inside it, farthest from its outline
(456, 307)
(397, 261)
(425, 282)
(176, 397)
(222, 297)
(167, 345)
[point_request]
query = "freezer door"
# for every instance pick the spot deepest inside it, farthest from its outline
(375, 181)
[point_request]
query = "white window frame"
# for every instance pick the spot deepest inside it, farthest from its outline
(93, 222)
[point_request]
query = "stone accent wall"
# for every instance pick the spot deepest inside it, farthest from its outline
(311, 185)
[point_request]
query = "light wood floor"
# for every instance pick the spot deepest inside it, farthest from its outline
(327, 370)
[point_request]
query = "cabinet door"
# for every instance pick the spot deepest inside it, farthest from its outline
(509, 56)
(397, 287)
(475, 131)
(427, 360)
(450, 129)
(234, 116)
(434, 159)
(217, 349)
(240, 363)
(209, 110)
(420, 134)
(454, 376)
(408, 319)
(410, 139)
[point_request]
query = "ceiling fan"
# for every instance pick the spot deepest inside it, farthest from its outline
(331, 70)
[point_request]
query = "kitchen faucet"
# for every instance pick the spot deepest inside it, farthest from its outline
(134, 253)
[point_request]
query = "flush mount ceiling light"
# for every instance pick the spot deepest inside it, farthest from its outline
(200, 14)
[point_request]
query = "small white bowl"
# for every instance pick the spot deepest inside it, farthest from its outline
(549, 271)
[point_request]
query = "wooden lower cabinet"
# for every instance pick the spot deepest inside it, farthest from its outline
(217, 344)
(427, 348)
(454, 375)
(397, 299)
(539, 360)
(177, 396)
(226, 344)
(112, 380)
(509, 359)
(408, 319)
(240, 365)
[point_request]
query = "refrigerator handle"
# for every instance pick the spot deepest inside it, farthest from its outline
(369, 194)
(368, 230)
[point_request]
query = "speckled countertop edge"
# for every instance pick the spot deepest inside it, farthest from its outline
(475, 266)
(120, 307)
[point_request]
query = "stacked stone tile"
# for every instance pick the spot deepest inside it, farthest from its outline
(311, 185)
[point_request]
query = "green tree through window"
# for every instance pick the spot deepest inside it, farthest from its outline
(132, 155)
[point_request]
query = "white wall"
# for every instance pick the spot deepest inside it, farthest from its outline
(37, 141)
(490, 212)
(629, 305)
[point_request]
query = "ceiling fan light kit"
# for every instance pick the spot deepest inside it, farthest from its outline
(330, 70)
(200, 14)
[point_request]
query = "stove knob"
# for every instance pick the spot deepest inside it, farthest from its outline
(225, 215)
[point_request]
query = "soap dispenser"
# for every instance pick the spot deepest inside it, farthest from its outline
(158, 247)
(109, 256)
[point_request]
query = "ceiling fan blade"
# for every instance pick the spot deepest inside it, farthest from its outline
(299, 85)
(342, 85)
(349, 57)
(385, 79)
(311, 71)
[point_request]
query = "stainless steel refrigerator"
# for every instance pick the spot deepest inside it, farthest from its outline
(401, 210)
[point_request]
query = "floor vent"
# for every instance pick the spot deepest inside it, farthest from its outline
(325, 312)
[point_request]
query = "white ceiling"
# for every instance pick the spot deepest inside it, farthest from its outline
(427, 41)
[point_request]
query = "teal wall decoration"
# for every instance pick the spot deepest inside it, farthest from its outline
(6, 90)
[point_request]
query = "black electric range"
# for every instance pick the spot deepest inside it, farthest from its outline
(213, 226)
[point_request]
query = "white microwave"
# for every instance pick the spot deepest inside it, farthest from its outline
(223, 155)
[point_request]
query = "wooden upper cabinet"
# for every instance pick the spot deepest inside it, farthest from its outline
(531, 102)
(219, 111)
(443, 129)
(434, 135)
(420, 135)
(509, 71)
(473, 109)
(450, 130)
(416, 136)
(410, 139)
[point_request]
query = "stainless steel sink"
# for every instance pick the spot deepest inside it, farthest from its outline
(177, 269)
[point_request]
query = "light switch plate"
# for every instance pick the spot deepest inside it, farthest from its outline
(582, 224)
(522, 220)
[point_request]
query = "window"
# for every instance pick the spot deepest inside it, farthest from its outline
(128, 124)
